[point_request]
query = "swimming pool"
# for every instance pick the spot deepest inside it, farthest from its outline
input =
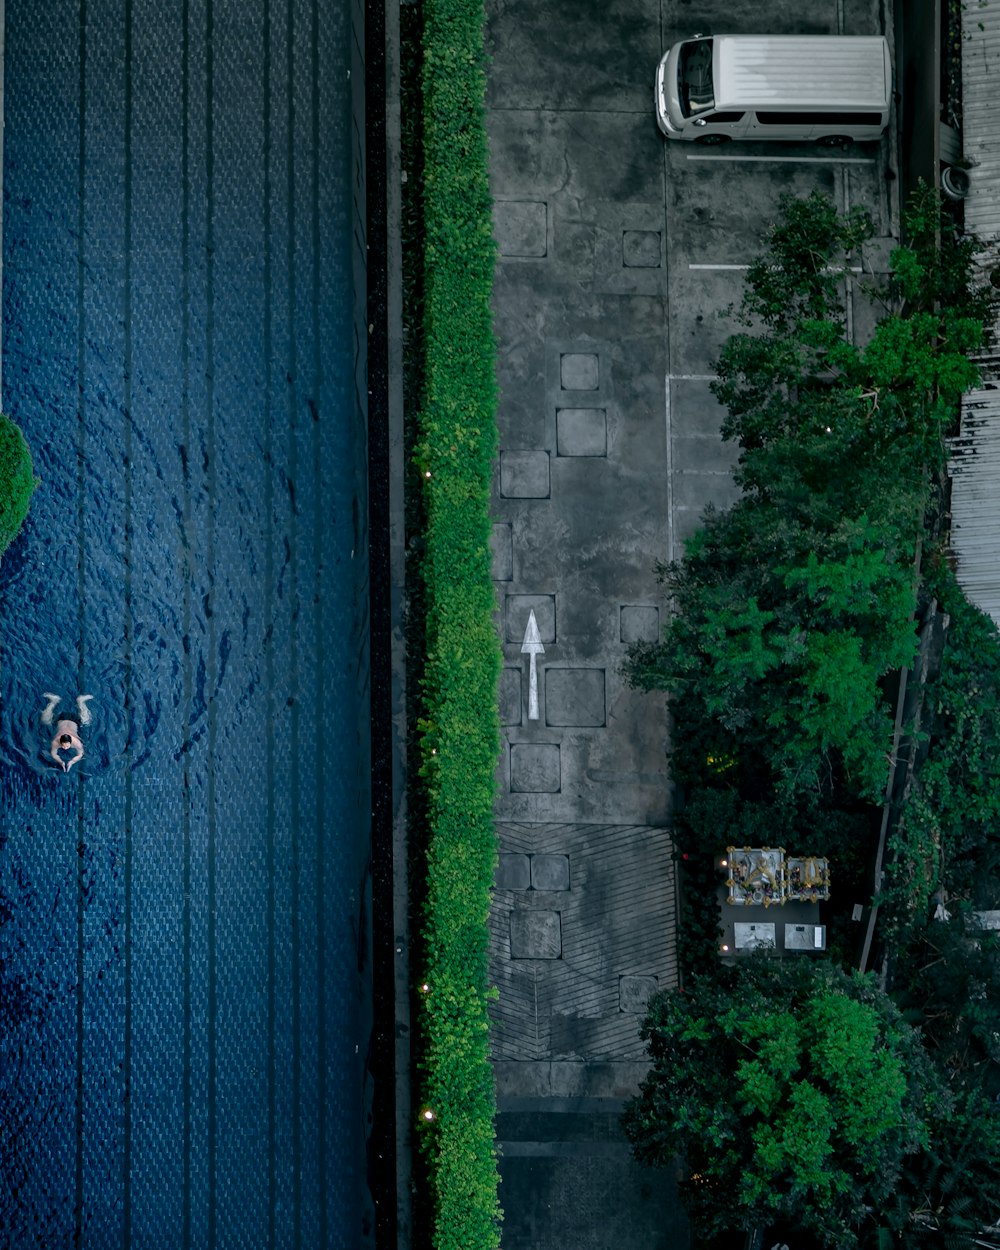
(181, 346)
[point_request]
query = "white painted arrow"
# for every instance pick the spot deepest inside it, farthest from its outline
(533, 646)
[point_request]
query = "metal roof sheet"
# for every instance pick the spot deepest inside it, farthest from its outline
(975, 454)
(975, 499)
(981, 114)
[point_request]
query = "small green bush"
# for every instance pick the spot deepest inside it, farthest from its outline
(17, 481)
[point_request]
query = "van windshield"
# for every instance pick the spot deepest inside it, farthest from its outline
(694, 77)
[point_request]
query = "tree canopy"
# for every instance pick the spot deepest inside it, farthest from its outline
(791, 1090)
(792, 606)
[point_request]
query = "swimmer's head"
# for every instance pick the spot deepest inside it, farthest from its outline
(65, 740)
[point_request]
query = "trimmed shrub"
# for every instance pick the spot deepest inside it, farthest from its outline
(17, 481)
(459, 732)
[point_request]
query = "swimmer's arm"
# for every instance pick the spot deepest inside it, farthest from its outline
(77, 757)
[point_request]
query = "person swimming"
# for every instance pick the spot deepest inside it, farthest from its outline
(67, 727)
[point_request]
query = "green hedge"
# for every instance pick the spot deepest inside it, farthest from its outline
(17, 481)
(459, 732)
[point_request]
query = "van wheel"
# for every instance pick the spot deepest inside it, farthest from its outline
(835, 141)
(712, 140)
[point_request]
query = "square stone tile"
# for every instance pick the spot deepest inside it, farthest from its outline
(575, 697)
(524, 474)
(513, 872)
(581, 432)
(634, 993)
(641, 249)
(639, 622)
(502, 551)
(575, 245)
(517, 608)
(535, 768)
(549, 872)
(520, 227)
(509, 695)
(535, 935)
(579, 371)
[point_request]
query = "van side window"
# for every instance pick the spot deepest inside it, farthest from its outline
(724, 117)
(819, 119)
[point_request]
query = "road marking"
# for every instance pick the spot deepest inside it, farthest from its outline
(833, 269)
(801, 160)
(532, 645)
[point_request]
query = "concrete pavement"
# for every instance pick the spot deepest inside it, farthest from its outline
(618, 252)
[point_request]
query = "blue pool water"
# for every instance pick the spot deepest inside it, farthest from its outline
(186, 974)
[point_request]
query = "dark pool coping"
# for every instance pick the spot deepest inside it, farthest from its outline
(389, 1141)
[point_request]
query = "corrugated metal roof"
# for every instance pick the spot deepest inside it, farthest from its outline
(975, 453)
(975, 499)
(981, 114)
(789, 70)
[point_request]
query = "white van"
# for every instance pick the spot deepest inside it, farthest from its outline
(831, 88)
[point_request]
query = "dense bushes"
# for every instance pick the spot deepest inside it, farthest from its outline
(793, 606)
(794, 610)
(459, 726)
(791, 1089)
(949, 831)
(17, 481)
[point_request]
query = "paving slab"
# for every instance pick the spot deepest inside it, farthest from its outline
(575, 697)
(639, 622)
(553, 54)
(558, 1194)
(562, 158)
(581, 431)
(511, 696)
(601, 907)
(521, 227)
(502, 551)
(549, 872)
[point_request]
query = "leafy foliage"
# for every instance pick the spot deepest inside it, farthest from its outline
(947, 981)
(949, 1191)
(812, 1101)
(949, 832)
(791, 1090)
(781, 634)
(17, 481)
(795, 604)
(458, 729)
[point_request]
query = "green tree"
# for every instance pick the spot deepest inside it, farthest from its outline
(790, 1090)
(780, 635)
(792, 606)
(17, 481)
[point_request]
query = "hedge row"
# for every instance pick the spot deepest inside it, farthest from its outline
(459, 732)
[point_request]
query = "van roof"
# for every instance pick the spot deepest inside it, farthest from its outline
(844, 71)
